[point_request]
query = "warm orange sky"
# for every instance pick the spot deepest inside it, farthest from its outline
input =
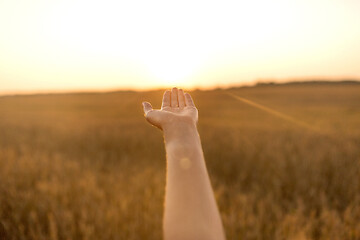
(48, 45)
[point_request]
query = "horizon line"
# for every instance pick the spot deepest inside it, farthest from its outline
(259, 82)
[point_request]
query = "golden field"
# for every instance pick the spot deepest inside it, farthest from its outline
(88, 166)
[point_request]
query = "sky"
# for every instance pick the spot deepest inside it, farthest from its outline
(62, 45)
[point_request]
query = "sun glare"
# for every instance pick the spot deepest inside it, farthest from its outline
(166, 51)
(171, 68)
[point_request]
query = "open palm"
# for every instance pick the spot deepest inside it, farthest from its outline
(176, 108)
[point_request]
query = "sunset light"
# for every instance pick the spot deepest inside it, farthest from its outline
(189, 119)
(67, 45)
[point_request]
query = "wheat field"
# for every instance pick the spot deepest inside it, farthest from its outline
(88, 166)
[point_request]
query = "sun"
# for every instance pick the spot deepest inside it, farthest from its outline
(173, 68)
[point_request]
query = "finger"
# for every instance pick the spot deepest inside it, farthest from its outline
(181, 98)
(154, 117)
(166, 99)
(147, 107)
(188, 100)
(174, 98)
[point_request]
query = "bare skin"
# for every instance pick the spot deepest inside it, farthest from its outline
(191, 212)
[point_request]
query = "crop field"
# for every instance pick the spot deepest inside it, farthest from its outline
(89, 166)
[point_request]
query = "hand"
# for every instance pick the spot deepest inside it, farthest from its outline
(177, 108)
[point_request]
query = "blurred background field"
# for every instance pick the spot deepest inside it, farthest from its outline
(88, 166)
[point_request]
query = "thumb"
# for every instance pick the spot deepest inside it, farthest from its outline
(152, 116)
(147, 107)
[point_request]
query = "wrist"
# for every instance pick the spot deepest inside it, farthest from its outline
(180, 131)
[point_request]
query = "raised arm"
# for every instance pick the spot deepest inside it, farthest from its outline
(190, 207)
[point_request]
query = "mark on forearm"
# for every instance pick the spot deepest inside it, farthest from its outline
(185, 163)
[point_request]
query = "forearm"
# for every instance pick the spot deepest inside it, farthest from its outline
(190, 208)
